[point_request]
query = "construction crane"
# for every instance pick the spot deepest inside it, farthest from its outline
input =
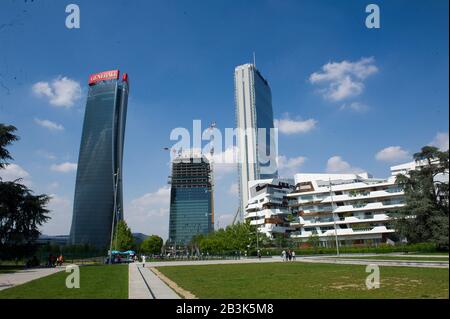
(235, 216)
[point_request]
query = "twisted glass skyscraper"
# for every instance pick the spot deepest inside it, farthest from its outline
(98, 189)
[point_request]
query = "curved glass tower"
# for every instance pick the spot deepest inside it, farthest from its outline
(98, 189)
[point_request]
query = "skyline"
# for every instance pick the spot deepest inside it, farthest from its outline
(326, 75)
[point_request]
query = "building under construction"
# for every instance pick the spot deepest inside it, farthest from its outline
(191, 198)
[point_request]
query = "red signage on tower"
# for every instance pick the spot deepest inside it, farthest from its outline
(103, 76)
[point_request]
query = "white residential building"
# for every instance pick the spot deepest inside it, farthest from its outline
(355, 207)
(268, 205)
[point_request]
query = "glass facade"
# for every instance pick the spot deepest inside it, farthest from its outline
(98, 188)
(256, 139)
(264, 119)
(191, 200)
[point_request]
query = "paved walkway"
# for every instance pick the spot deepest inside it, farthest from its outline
(212, 262)
(311, 259)
(379, 262)
(23, 276)
(144, 284)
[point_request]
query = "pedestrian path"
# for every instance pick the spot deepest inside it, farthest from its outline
(214, 262)
(23, 276)
(379, 262)
(137, 287)
(144, 284)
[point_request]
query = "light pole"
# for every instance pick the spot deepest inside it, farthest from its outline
(116, 179)
(257, 239)
(334, 219)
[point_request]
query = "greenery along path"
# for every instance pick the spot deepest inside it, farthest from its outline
(7, 269)
(106, 281)
(406, 258)
(301, 280)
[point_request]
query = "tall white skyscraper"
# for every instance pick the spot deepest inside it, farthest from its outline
(256, 138)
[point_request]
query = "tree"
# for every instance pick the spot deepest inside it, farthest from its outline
(314, 241)
(151, 245)
(7, 136)
(21, 212)
(424, 218)
(123, 238)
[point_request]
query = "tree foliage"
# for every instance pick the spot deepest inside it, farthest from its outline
(424, 218)
(21, 212)
(7, 136)
(123, 238)
(151, 245)
(234, 238)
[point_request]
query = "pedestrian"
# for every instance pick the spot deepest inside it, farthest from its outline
(259, 254)
(143, 261)
(289, 255)
(293, 255)
(283, 255)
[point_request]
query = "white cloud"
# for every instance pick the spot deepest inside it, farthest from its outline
(53, 185)
(61, 92)
(344, 79)
(392, 154)
(52, 126)
(64, 167)
(289, 126)
(355, 106)
(61, 216)
(234, 189)
(287, 167)
(441, 141)
(149, 213)
(336, 164)
(13, 171)
(46, 154)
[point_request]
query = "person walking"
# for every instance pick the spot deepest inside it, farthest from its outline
(143, 261)
(259, 254)
(293, 255)
(283, 255)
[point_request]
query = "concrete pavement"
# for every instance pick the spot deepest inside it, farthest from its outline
(23, 276)
(379, 262)
(144, 284)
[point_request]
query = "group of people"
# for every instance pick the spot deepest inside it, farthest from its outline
(54, 261)
(288, 255)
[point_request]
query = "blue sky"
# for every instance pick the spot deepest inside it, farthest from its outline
(347, 98)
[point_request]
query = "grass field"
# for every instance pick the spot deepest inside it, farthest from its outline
(406, 258)
(305, 280)
(95, 282)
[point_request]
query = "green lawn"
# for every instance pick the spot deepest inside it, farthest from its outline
(406, 258)
(306, 280)
(95, 282)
